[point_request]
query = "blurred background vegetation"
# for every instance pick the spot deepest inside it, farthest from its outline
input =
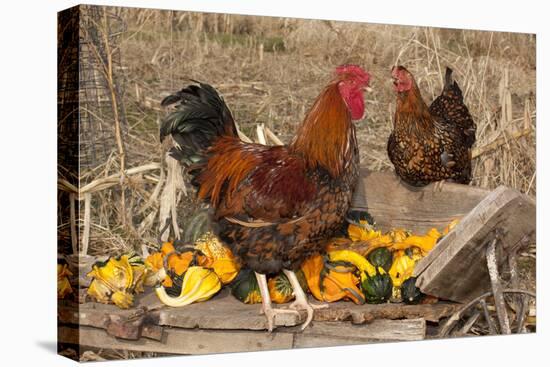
(270, 70)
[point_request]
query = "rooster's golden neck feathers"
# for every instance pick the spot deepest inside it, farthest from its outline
(326, 138)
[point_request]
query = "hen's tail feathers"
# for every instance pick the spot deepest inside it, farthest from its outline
(450, 107)
(463, 117)
(200, 118)
(448, 76)
(451, 85)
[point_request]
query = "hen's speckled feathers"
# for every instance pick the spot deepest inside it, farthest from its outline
(432, 144)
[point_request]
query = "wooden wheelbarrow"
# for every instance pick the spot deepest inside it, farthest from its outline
(462, 270)
(464, 266)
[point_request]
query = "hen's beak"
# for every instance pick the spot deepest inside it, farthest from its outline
(368, 89)
(395, 81)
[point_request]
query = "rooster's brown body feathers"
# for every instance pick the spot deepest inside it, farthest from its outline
(273, 206)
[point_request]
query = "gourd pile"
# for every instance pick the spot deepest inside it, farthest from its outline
(193, 274)
(365, 266)
(117, 280)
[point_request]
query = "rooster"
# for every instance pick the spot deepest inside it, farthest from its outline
(430, 144)
(273, 206)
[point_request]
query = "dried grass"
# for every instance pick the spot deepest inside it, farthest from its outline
(271, 69)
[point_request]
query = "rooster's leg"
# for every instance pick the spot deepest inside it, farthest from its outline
(267, 308)
(301, 302)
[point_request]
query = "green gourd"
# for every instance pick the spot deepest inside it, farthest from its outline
(410, 292)
(245, 287)
(377, 288)
(381, 257)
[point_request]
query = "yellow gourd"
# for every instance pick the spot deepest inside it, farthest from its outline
(363, 232)
(116, 280)
(199, 284)
(217, 257)
(63, 285)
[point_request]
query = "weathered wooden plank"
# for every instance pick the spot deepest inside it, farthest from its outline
(456, 268)
(367, 313)
(393, 203)
(127, 324)
(328, 334)
(195, 341)
(239, 316)
(181, 341)
(223, 311)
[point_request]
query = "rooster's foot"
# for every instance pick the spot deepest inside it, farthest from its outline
(267, 309)
(300, 305)
(301, 302)
(270, 314)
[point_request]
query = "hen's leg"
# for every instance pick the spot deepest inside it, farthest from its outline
(301, 302)
(438, 186)
(267, 309)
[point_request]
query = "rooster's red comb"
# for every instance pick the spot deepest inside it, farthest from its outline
(353, 71)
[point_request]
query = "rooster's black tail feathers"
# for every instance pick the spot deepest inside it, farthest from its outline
(200, 118)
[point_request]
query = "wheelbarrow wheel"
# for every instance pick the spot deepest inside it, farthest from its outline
(479, 316)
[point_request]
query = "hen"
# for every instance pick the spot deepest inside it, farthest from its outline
(273, 206)
(430, 144)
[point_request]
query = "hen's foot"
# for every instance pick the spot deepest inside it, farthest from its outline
(438, 186)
